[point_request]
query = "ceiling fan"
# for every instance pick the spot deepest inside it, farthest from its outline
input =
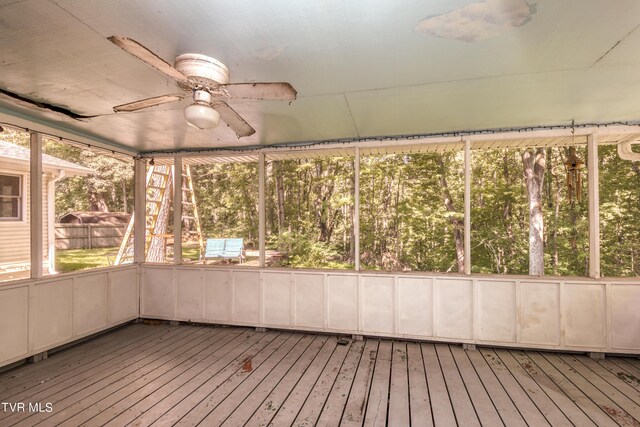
(208, 81)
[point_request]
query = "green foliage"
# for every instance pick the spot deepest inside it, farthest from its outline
(619, 214)
(303, 252)
(227, 197)
(109, 188)
(411, 209)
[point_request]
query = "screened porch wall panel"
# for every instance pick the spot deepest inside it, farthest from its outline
(309, 301)
(378, 313)
(14, 318)
(546, 313)
(158, 296)
(38, 315)
(454, 309)
(51, 317)
(277, 297)
(124, 298)
(540, 313)
(624, 303)
(218, 296)
(584, 315)
(245, 307)
(497, 310)
(342, 302)
(90, 303)
(415, 306)
(190, 292)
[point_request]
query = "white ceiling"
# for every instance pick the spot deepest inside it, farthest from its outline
(362, 68)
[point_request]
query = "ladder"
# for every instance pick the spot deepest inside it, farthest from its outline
(157, 210)
(158, 181)
(190, 211)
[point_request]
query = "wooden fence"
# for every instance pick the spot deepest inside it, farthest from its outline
(89, 236)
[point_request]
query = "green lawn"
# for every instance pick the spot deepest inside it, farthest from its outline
(82, 259)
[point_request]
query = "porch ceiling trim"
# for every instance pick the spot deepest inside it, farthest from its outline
(560, 137)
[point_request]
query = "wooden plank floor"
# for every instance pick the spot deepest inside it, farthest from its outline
(161, 375)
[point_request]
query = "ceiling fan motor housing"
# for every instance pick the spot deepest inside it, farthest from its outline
(201, 97)
(202, 70)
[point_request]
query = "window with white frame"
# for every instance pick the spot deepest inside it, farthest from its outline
(10, 197)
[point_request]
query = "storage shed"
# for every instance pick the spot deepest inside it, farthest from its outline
(90, 217)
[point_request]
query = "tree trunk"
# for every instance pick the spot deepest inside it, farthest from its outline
(457, 224)
(124, 197)
(157, 246)
(280, 194)
(534, 163)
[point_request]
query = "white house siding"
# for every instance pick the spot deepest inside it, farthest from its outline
(15, 244)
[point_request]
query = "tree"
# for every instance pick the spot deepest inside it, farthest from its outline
(456, 222)
(534, 163)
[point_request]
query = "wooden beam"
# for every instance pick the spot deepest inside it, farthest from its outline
(140, 209)
(467, 206)
(261, 210)
(593, 177)
(177, 210)
(36, 201)
(356, 208)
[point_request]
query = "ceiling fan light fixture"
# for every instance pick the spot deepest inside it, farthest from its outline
(201, 116)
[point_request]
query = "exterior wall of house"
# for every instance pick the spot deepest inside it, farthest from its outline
(15, 235)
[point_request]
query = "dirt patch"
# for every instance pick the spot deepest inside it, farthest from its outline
(246, 365)
(628, 378)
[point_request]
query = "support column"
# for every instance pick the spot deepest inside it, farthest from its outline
(467, 206)
(36, 202)
(177, 210)
(261, 209)
(356, 208)
(140, 209)
(594, 205)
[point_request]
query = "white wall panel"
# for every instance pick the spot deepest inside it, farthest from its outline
(625, 316)
(14, 322)
(540, 318)
(42, 314)
(309, 300)
(218, 296)
(277, 299)
(158, 292)
(90, 306)
(190, 295)
(532, 312)
(454, 308)
(51, 313)
(123, 302)
(246, 297)
(342, 302)
(496, 311)
(415, 303)
(584, 316)
(378, 304)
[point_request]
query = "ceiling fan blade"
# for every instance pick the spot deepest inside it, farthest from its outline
(234, 120)
(276, 90)
(145, 55)
(146, 103)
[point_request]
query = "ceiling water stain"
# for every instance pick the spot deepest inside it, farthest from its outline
(478, 21)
